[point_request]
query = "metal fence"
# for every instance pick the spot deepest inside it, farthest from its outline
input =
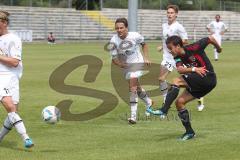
(39, 3)
(70, 24)
(223, 5)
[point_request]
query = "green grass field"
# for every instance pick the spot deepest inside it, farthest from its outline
(109, 137)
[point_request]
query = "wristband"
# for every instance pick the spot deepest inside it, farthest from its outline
(193, 69)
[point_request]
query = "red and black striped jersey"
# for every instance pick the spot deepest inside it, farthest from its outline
(195, 55)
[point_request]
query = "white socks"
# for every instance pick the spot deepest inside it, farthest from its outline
(164, 89)
(200, 101)
(143, 95)
(17, 122)
(215, 54)
(133, 104)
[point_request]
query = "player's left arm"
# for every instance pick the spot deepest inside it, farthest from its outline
(145, 53)
(213, 41)
(183, 34)
(225, 29)
(140, 40)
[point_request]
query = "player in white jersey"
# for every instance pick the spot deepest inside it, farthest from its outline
(172, 27)
(217, 28)
(127, 55)
(10, 74)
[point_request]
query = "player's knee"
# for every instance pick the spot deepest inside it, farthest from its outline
(8, 104)
(14, 118)
(180, 102)
(133, 89)
(176, 81)
(161, 78)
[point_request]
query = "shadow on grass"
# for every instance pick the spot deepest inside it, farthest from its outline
(165, 137)
(49, 151)
(13, 145)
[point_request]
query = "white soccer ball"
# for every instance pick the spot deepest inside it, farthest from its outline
(51, 114)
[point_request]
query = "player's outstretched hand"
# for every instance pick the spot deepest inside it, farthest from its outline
(202, 71)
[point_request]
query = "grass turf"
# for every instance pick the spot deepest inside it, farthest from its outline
(109, 137)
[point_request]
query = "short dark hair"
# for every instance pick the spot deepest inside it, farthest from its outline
(218, 15)
(175, 40)
(174, 7)
(122, 20)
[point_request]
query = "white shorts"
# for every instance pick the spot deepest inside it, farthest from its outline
(136, 74)
(169, 64)
(9, 86)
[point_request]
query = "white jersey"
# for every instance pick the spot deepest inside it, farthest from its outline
(128, 50)
(175, 29)
(217, 27)
(11, 46)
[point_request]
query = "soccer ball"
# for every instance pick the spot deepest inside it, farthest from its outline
(51, 114)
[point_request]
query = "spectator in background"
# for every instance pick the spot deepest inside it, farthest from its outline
(51, 38)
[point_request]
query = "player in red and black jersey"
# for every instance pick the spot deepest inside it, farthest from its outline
(197, 76)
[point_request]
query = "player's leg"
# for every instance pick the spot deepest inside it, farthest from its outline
(4, 91)
(218, 38)
(173, 93)
(171, 96)
(215, 54)
(200, 105)
(7, 127)
(183, 114)
(133, 82)
(15, 120)
(10, 100)
(164, 71)
(142, 94)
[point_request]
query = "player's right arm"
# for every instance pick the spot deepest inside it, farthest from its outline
(15, 51)
(160, 46)
(9, 61)
(114, 54)
(225, 28)
(184, 70)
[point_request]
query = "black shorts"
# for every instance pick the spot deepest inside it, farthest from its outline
(200, 86)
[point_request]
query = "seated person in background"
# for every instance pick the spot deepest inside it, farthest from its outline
(51, 38)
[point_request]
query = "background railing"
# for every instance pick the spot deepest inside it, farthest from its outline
(223, 5)
(71, 24)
